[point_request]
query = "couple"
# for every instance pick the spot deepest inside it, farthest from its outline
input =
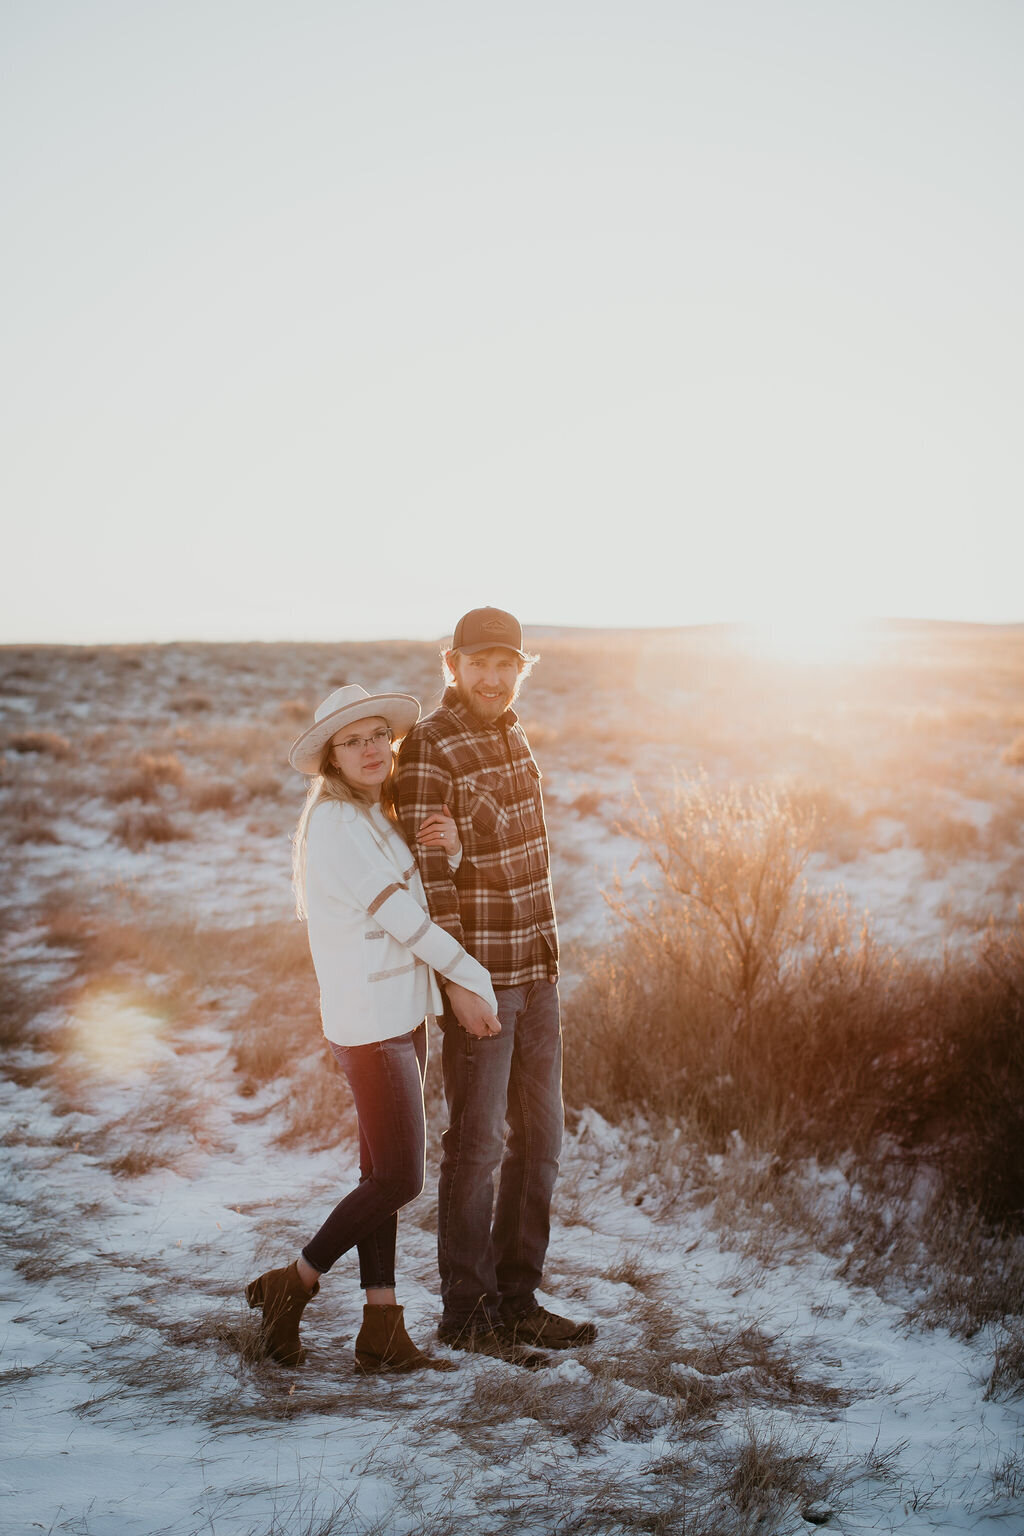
(474, 905)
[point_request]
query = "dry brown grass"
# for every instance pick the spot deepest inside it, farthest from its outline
(768, 1477)
(214, 795)
(18, 1008)
(30, 819)
(46, 743)
(138, 829)
(265, 783)
(1007, 1379)
(631, 1270)
(149, 774)
(831, 1045)
(191, 702)
(317, 1110)
(762, 1016)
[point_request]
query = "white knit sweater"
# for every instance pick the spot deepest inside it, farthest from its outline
(374, 947)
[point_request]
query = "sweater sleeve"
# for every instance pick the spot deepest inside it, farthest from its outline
(343, 862)
(423, 786)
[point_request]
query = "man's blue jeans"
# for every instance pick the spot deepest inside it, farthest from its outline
(386, 1079)
(491, 1251)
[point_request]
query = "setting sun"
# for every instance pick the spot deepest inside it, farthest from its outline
(811, 639)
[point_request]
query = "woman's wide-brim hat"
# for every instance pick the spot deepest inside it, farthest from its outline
(341, 708)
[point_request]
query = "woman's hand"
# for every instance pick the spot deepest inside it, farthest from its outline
(439, 831)
(471, 1011)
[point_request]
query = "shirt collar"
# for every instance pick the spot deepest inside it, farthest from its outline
(467, 718)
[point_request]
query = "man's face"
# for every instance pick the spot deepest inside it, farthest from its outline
(486, 681)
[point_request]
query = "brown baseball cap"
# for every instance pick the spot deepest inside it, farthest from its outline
(481, 628)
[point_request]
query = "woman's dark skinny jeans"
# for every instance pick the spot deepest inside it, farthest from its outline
(386, 1079)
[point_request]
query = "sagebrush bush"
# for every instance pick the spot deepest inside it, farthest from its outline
(262, 784)
(731, 864)
(47, 743)
(192, 703)
(729, 1002)
(213, 795)
(297, 712)
(137, 829)
(150, 772)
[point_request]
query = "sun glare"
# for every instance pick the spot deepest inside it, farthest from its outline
(818, 639)
(118, 1031)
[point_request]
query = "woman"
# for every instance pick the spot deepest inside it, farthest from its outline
(375, 951)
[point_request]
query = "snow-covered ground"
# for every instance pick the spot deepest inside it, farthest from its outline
(128, 1410)
(728, 1391)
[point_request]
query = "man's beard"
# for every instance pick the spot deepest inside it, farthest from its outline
(486, 711)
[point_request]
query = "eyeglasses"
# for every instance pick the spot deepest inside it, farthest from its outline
(360, 743)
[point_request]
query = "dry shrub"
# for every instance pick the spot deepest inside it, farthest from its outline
(540, 734)
(262, 784)
(563, 1408)
(17, 1009)
(318, 1110)
(630, 1270)
(191, 703)
(663, 1017)
(114, 940)
(150, 773)
(765, 1475)
(33, 829)
(838, 828)
(728, 1003)
(213, 795)
(137, 829)
(1008, 1476)
(280, 1029)
(731, 863)
(975, 1273)
(1007, 1379)
(590, 802)
(46, 743)
(262, 1052)
(150, 1149)
(227, 747)
(939, 834)
(1005, 829)
(296, 711)
(166, 1121)
(27, 818)
(261, 972)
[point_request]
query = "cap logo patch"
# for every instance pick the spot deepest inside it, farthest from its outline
(494, 627)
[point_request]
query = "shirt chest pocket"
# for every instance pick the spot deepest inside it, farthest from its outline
(484, 800)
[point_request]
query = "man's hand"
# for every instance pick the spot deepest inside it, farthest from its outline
(472, 1012)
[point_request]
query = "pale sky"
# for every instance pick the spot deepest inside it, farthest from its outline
(332, 320)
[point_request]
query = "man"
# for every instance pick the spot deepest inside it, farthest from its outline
(470, 758)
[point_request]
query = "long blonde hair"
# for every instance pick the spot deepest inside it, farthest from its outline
(331, 784)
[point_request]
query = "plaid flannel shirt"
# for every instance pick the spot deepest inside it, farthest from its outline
(498, 903)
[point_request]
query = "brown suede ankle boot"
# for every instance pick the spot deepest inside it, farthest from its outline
(282, 1296)
(384, 1345)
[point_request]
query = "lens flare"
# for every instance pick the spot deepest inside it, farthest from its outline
(118, 1030)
